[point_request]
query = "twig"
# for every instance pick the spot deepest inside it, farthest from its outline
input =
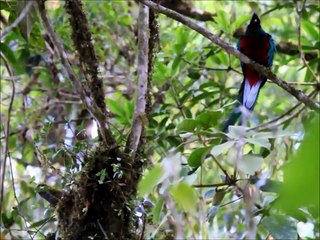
(6, 151)
(223, 205)
(91, 106)
(211, 185)
(22, 15)
(187, 9)
(314, 84)
(144, 216)
(102, 230)
(220, 166)
(173, 218)
(16, 198)
(230, 49)
(139, 117)
(301, 54)
(7, 130)
(276, 121)
(42, 225)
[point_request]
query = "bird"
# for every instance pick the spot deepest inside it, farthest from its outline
(260, 47)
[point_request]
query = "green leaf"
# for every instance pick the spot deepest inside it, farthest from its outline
(263, 142)
(182, 35)
(218, 197)
(122, 108)
(218, 149)
(125, 20)
(42, 221)
(28, 152)
(241, 20)
(7, 5)
(150, 180)
(280, 227)
(250, 163)
(157, 210)
(208, 119)
(27, 22)
(197, 156)
(194, 75)
(212, 212)
(8, 53)
(302, 173)
(187, 125)
(236, 132)
(222, 20)
(185, 195)
(309, 30)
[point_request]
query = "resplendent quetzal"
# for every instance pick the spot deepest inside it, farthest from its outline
(260, 47)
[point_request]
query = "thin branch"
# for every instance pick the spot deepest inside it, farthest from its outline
(102, 230)
(22, 15)
(139, 117)
(276, 121)
(314, 84)
(230, 49)
(91, 106)
(185, 8)
(212, 185)
(7, 131)
(16, 198)
(144, 220)
(232, 201)
(301, 54)
(220, 166)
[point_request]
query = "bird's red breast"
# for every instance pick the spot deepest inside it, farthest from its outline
(255, 48)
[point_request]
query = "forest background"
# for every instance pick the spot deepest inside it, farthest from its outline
(111, 116)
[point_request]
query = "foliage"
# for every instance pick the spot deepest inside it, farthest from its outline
(194, 87)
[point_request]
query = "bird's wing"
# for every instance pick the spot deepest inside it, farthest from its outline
(271, 51)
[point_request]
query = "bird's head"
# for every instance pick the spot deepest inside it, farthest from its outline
(254, 25)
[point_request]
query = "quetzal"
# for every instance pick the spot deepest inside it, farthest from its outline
(260, 47)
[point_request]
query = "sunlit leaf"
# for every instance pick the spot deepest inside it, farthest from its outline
(310, 30)
(187, 125)
(303, 173)
(157, 210)
(150, 180)
(249, 164)
(185, 196)
(237, 131)
(219, 149)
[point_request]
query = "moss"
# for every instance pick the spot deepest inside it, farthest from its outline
(82, 37)
(92, 205)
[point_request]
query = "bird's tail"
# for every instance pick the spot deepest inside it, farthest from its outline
(232, 119)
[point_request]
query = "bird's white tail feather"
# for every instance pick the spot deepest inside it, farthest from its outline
(250, 93)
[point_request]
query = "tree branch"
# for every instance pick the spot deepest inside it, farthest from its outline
(300, 96)
(92, 107)
(278, 120)
(22, 15)
(139, 117)
(186, 8)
